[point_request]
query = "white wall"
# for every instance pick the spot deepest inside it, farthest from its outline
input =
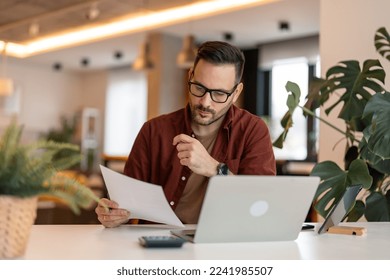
(347, 29)
(45, 95)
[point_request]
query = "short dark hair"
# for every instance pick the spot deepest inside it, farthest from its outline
(218, 52)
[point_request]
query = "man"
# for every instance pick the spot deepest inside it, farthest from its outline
(210, 136)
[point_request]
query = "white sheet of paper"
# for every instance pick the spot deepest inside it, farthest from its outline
(144, 200)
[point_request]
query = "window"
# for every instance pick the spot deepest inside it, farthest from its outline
(126, 108)
(295, 70)
(295, 60)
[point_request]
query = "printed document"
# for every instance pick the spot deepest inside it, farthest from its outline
(144, 200)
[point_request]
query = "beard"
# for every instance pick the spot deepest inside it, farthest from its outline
(206, 116)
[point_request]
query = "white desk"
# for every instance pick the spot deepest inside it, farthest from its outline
(94, 242)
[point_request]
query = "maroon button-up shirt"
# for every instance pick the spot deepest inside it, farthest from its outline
(243, 143)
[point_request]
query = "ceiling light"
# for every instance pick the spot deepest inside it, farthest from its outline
(284, 26)
(118, 55)
(228, 36)
(33, 29)
(93, 12)
(186, 57)
(129, 25)
(57, 66)
(143, 61)
(84, 62)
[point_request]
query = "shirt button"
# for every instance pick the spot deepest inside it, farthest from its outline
(172, 203)
(183, 178)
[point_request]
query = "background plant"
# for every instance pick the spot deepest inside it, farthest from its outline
(65, 133)
(366, 114)
(33, 170)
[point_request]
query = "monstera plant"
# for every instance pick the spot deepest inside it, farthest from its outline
(366, 113)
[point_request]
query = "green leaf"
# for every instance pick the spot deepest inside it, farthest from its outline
(376, 162)
(382, 42)
(377, 209)
(377, 134)
(359, 174)
(294, 97)
(71, 192)
(287, 122)
(332, 186)
(9, 143)
(317, 95)
(357, 211)
(357, 86)
(334, 182)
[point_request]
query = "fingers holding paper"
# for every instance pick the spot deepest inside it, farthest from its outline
(111, 215)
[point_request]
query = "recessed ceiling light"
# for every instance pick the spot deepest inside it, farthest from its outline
(57, 66)
(93, 12)
(118, 54)
(284, 26)
(33, 29)
(84, 62)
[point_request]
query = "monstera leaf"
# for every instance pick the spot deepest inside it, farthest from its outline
(376, 202)
(374, 147)
(378, 133)
(382, 42)
(358, 85)
(334, 182)
(376, 162)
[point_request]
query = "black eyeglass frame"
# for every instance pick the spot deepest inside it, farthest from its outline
(207, 90)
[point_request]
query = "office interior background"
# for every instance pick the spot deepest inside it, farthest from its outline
(96, 81)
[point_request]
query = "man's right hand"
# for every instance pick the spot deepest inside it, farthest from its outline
(112, 216)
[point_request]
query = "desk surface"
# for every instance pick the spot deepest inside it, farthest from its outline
(94, 242)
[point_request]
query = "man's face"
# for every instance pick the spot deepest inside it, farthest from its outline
(222, 77)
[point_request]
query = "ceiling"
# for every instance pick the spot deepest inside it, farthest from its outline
(249, 27)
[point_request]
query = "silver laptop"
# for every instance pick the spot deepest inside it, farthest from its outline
(248, 208)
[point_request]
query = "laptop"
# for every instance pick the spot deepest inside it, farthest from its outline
(341, 208)
(248, 208)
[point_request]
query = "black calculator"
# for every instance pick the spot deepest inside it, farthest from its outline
(161, 241)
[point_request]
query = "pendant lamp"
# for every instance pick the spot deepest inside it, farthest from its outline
(143, 61)
(186, 57)
(6, 87)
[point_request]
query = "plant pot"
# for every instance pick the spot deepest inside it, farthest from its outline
(17, 215)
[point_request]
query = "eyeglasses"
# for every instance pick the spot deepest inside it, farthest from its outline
(217, 95)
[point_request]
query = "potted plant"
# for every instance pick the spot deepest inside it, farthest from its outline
(26, 173)
(366, 113)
